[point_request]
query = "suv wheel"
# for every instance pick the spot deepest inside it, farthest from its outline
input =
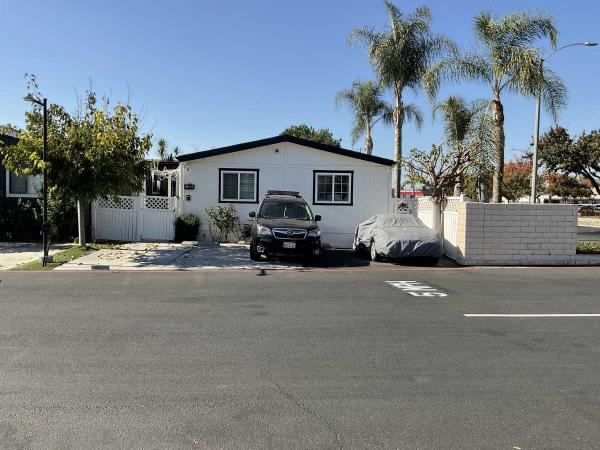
(254, 255)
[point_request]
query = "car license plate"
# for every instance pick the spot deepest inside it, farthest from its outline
(289, 245)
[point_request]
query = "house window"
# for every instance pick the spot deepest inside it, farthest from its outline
(332, 188)
(238, 185)
(22, 186)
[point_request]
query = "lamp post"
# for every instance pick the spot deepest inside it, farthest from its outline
(536, 132)
(43, 103)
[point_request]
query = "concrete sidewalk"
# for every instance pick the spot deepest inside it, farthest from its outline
(13, 254)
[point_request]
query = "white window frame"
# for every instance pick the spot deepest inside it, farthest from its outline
(333, 174)
(222, 172)
(16, 195)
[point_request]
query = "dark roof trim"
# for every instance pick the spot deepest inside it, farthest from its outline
(8, 140)
(285, 138)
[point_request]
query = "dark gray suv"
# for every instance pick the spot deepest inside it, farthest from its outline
(284, 224)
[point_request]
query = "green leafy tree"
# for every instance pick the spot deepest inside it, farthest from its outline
(507, 62)
(92, 153)
(304, 131)
(365, 99)
(467, 128)
(559, 152)
(478, 183)
(400, 57)
(565, 186)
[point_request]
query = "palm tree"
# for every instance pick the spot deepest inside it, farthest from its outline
(365, 100)
(507, 62)
(162, 149)
(467, 129)
(400, 57)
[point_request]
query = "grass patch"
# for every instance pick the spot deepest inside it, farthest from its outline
(67, 255)
(588, 247)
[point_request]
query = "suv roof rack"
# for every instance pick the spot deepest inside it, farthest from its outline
(290, 193)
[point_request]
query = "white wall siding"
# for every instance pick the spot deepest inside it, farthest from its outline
(289, 166)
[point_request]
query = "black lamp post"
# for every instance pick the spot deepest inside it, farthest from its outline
(43, 103)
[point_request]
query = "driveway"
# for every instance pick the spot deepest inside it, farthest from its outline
(13, 254)
(171, 256)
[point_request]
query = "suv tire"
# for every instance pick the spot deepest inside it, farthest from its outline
(254, 255)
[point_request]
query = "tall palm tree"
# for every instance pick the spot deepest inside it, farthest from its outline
(162, 149)
(468, 130)
(400, 57)
(507, 62)
(365, 100)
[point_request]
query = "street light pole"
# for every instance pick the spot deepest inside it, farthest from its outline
(536, 130)
(45, 207)
(45, 227)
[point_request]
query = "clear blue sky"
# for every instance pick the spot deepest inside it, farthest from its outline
(210, 73)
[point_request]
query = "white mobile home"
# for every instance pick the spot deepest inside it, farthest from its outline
(343, 186)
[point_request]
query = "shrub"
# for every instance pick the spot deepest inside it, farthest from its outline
(187, 227)
(588, 247)
(224, 221)
(20, 220)
(589, 213)
(62, 212)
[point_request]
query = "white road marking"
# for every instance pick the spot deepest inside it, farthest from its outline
(417, 289)
(531, 315)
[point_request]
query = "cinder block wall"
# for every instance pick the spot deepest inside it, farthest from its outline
(516, 234)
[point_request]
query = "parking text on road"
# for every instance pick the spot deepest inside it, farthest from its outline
(417, 289)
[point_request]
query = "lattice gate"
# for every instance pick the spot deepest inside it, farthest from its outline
(122, 218)
(450, 225)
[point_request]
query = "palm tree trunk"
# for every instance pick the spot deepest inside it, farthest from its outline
(398, 119)
(368, 139)
(498, 125)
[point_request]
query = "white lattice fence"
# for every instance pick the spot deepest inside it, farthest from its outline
(158, 215)
(134, 218)
(116, 218)
(450, 226)
(423, 209)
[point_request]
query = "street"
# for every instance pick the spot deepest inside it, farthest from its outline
(346, 358)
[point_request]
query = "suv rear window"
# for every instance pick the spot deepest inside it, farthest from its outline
(285, 210)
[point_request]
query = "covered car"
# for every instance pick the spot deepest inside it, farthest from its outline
(397, 236)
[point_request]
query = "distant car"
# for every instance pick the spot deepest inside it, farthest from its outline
(585, 207)
(284, 224)
(393, 236)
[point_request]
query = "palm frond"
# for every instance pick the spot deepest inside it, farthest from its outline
(411, 112)
(524, 29)
(554, 93)
(363, 35)
(365, 100)
(485, 28)
(469, 66)
(521, 66)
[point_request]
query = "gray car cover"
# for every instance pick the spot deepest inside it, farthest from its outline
(398, 236)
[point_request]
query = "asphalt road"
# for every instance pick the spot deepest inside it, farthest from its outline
(321, 359)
